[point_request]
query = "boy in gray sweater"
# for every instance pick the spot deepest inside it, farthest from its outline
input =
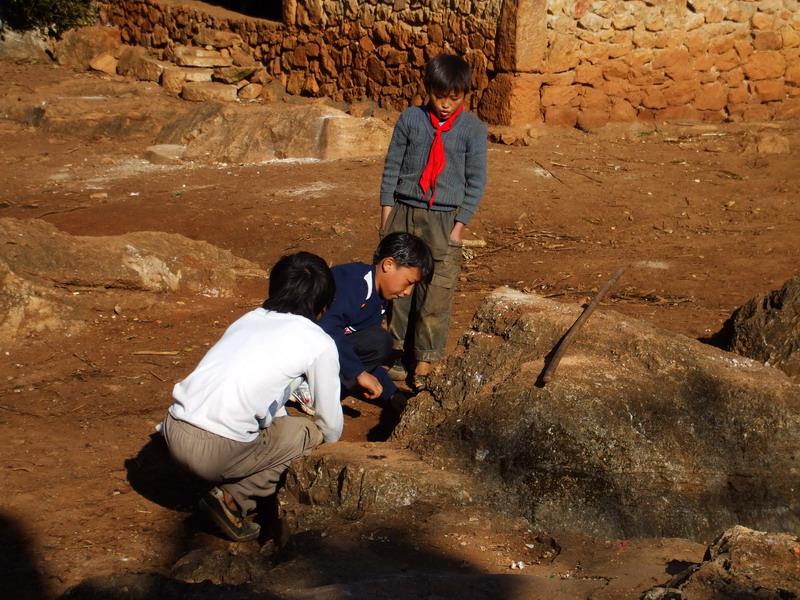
(433, 179)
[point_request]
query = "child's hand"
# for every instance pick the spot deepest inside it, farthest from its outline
(370, 384)
(458, 232)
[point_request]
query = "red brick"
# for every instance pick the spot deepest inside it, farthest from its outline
(589, 74)
(654, 98)
(793, 74)
(615, 87)
(734, 77)
(788, 109)
(744, 48)
(739, 95)
(726, 62)
(553, 95)
(767, 40)
(670, 58)
(592, 99)
(768, 90)
(561, 115)
(678, 93)
(765, 65)
(621, 110)
(678, 113)
(592, 118)
(713, 96)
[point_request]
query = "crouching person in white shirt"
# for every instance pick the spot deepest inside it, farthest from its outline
(228, 423)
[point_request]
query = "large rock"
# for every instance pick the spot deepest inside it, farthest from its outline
(27, 46)
(134, 62)
(247, 134)
(767, 328)
(741, 563)
(78, 47)
(46, 273)
(641, 433)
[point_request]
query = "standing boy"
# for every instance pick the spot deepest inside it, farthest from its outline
(228, 423)
(433, 179)
(354, 319)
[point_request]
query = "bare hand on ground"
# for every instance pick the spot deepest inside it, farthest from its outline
(370, 384)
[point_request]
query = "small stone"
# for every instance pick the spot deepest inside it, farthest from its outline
(165, 154)
(105, 63)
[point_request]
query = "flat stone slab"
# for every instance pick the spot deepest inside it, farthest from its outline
(202, 91)
(190, 56)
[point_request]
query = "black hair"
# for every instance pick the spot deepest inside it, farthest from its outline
(447, 73)
(407, 250)
(301, 284)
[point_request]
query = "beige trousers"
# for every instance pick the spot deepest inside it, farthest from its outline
(247, 470)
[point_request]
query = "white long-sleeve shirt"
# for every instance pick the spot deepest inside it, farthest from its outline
(242, 383)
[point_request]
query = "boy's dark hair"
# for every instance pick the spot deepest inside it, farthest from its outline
(447, 73)
(301, 284)
(407, 250)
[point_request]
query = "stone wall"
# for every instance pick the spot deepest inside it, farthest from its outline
(346, 50)
(563, 62)
(576, 61)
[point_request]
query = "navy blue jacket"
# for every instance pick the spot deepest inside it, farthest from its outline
(356, 306)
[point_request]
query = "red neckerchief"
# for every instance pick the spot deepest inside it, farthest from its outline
(436, 158)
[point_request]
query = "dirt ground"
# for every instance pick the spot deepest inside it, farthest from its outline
(702, 220)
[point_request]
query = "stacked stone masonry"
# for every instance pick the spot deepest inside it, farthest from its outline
(346, 50)
(563, 62)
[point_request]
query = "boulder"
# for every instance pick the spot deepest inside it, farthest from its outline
(344, 136)
(247, 134)
(641, 433)
(134, 62)
(741, 563)
(46, 273)
(25, 46)
(77, 47)
(767, 328)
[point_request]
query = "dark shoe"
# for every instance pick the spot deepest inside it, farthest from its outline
(420, 383)
(231, 523)
(398, 371)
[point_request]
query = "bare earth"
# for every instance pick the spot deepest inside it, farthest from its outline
(704, 221)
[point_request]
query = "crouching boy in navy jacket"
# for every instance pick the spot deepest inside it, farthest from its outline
(355, 317)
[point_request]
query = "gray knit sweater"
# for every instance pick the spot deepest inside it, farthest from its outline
(461, 184)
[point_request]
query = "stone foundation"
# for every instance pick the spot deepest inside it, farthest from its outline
(645, 60)
(573, 63)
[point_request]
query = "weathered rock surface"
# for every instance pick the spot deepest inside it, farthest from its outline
(741, 563)
(78, 47)
(351, 480)
(641, 433)
(225, 133)
(28, 46)
(46, 272)
(767, 328)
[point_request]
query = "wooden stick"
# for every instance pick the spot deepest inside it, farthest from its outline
(566, 341)
(155, 353)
